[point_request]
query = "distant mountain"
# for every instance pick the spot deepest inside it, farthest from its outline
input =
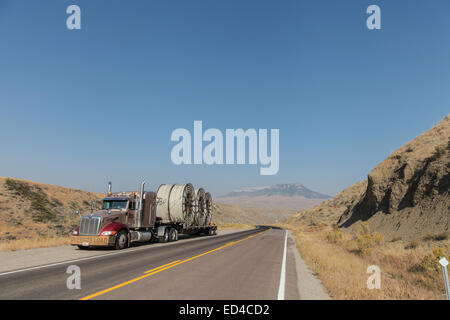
(290, 190)
(292, 197)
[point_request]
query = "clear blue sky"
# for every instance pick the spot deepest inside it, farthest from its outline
(80, 108)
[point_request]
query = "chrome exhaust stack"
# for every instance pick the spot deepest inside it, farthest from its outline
(141, 206)
(109, 188)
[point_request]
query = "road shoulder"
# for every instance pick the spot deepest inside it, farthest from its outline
(308, 285)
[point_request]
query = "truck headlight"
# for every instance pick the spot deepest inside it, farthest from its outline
(108, 233)
(75, 232)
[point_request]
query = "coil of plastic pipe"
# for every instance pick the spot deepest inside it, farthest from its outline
(209, 208)
(175, 203)
(200, 202)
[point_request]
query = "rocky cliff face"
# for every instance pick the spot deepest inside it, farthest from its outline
(408, 193)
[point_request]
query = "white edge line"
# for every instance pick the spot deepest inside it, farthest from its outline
(90, 258)
(281, 289)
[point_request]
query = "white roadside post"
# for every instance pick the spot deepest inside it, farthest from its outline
(444, 264)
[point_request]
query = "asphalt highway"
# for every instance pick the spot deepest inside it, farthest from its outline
(251, 264)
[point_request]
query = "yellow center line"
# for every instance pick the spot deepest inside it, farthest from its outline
(166, 266)
(162, 266)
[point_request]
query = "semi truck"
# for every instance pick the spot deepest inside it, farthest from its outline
(128, 217)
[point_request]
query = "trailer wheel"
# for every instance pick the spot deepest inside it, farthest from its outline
(165, 237)
(173, 234)
(121, 240)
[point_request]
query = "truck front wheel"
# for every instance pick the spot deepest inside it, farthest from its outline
(121, 240)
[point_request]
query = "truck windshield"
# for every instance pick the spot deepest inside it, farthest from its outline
(114, 204)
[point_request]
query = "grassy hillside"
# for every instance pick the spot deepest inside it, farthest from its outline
(397, 219)
(30, 209)
(407, 195)
(32, 212)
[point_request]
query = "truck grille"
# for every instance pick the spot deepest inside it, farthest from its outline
(89, 226)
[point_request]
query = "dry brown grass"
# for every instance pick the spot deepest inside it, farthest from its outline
(276, 202)
(24, 244)
(237, 226)
(407, 273)
(225, 213)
